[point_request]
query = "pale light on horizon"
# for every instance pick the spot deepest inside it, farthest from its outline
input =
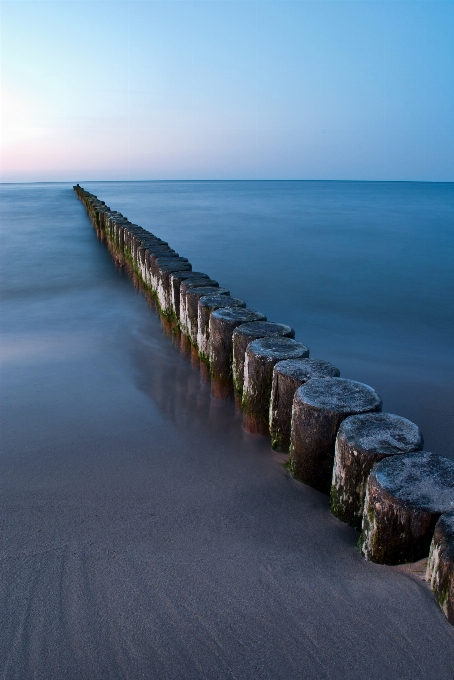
(227, 90)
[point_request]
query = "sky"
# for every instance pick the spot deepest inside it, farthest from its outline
(226, 89)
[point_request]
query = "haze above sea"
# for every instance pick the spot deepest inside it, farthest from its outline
(362, 270)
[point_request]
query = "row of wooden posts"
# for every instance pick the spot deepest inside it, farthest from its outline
(381, 482)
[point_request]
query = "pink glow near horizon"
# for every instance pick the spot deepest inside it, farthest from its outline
(220, 90)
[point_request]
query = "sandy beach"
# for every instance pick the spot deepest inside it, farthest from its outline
(144, 533)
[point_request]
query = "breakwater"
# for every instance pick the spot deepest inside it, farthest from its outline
(338, 439)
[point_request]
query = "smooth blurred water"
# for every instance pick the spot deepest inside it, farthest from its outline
(363, 271)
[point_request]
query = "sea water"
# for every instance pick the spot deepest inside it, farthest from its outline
(362, 270)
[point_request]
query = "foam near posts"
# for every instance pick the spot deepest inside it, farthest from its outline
(303, 401)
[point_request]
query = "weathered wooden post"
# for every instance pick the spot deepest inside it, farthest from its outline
(405, 497)
(207, 305)
(185, 287)
(361, 442)
(163, 290)
(261, 356)
(175, 281)
(191, 307)
(319, 407)
(245, 334)
(440, 566)
(162, 262)
(222, 324)
(147, 258)
(288, 375)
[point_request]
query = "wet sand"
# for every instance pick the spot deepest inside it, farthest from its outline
(144, 533)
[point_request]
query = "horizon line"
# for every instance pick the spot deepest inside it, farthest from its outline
(124, 181)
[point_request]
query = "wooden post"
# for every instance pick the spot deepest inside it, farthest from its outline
(207, 305)
(319, 407)
(245, 334)
(185, 287)
(288, 375)
(405, 497)
(261, 356)
(192, 298)
(175, 281)
(222, 324)
(440, 566)
(361, 442)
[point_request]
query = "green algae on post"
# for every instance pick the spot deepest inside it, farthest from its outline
(362, 441)
(405, 497)
(319, 408)
(288, 375)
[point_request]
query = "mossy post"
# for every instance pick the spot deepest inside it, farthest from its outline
(160, 264)
(185, 287)
(361, 442)
(288, 375)
(319, 407)
(260, 359)
(192, 298)
(163, 283)
(440, 566)
(405, 497)
(175, 281)
(245, 334)
(150, 254)
(207, 305)
(222, 324)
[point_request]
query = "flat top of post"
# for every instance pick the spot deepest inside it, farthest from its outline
(182, 276)
(383, 433)
(339, 395)
(220, 299)
(257, 329)
(277, 347)
(421, 479)
(200, 291)
(306, 369)
(238, 314)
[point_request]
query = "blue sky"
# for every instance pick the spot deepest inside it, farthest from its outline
(215, 89)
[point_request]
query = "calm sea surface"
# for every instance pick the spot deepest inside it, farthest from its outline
(362, 271)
